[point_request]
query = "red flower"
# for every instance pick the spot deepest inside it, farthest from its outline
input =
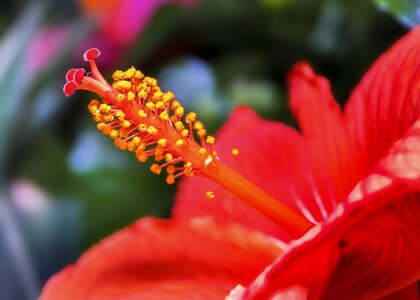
(343, 193)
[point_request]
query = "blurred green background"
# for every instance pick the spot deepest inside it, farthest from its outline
(63, 185)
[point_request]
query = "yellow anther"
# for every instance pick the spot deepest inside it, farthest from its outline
(235, 151)
(159, 151)
(141, 146)
(101, 126)
(131, 146)
(142, 94)
(164, 116)
(93, 109)
(141, 156)
(179, 143)
(179, 111)
(143, 86)
(122, 85)
(162, 142)
(188, 169)
(175, 104)
(129, 73)
(185, 132)
(155, 168)
(157, 96)
(106, 130)
(168, 96)
(209, 195)
(98, 118)
(202, 151)
(118, 75)
(170, 179)
(142, 114)
(202, 132)
(108, 118)
(179, 125)
(191, 117)
(104, 108)
(131, 96)
(150, 105)
(170, 169)
(150, 81)
(117, 142)
(160, 104)
(120, 97)
(168, 157)
(123, 145)
(136, 140)
(126, 124)
(198, 125)
(120, 144)
(123, 133)
(113, 134)
(143, 127)
(210, 139)
(152, 130)
(139, 75)
(120, 115)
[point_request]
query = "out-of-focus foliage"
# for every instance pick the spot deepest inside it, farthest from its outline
(406, 11)
(64, 186)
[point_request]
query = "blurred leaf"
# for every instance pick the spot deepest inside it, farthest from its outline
(261, 95)
(113, 190)
(275, 4)
(15, 260)
(12, 80)
(406, 11)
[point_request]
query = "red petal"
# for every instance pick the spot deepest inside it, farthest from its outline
(91, 54)
(380, 254)
(302, 275)
(403, 160)
(264, 146)
(378, 224)
(385, 104)
(377, 257)
(410, 292)
(156, 259)
(322, 123)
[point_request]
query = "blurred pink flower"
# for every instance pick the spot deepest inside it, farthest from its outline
(45, 45)
(28, 197)
(119, 23)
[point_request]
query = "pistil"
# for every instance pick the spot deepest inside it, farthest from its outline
(139, 117)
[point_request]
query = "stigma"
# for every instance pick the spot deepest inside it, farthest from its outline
(143, 119)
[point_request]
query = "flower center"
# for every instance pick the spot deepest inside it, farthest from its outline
(139, 117)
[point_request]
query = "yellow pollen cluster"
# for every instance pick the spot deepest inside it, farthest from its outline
(209, 195)
(235, 151)
(140, 118)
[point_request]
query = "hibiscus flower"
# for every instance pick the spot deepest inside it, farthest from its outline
(327, 212)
